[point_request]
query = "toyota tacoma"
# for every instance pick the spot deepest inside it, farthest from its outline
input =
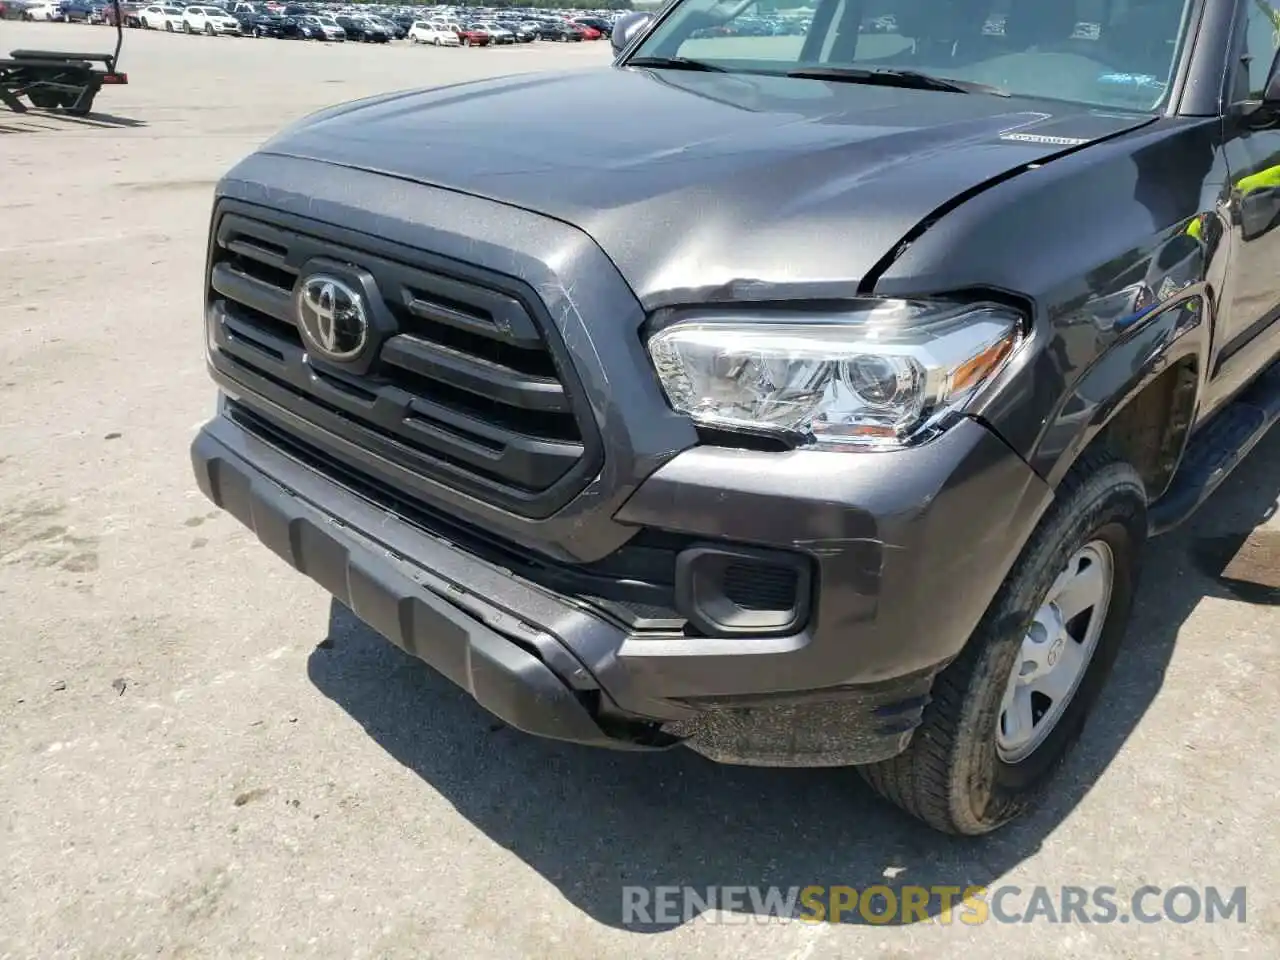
(811, 405)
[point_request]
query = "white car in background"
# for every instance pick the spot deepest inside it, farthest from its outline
(436, 34)
(210, 20)
(43, 11)
(161, 17)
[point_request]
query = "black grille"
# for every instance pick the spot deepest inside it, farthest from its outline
(761, 586)
(466, 389)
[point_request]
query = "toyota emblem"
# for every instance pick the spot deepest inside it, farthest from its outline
(331, 315)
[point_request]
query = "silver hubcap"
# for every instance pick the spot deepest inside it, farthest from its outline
(1055, 652)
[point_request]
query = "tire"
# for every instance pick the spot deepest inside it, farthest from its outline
(186, 27)
(208, 28)
(168, 26)
(466, 41)
(953, 775)
(146, 24)
(257, 33)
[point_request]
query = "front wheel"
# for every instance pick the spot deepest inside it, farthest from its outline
(208, 28)
(186, 27)
(1004, 714)
(168, 27)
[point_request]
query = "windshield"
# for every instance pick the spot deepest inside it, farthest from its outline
(1111, 53)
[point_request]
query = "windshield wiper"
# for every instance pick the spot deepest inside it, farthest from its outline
(909, 79)
(674, 63)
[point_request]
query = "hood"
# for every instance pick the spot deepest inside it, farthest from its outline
(699, 185)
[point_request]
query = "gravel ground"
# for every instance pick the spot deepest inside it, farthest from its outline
(201, 756)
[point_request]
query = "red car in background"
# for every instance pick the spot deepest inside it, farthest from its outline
(588, 32)
(472, 36)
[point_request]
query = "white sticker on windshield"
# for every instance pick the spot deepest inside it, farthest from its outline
(1132, 80)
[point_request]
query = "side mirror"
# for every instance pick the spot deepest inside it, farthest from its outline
(626, 27)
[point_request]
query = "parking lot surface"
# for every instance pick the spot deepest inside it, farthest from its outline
(201, 756)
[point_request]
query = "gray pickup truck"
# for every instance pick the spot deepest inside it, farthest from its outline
(810, 404)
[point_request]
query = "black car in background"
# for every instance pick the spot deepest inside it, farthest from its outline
(260, 24)
(364, 30)
(558, 30)
(296, 28)
(76, 11)
(523, 32)
(394, 30)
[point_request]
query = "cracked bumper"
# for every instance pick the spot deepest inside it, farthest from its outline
(908, 550)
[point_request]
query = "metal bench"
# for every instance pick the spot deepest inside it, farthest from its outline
(59, 79)
(108, 58)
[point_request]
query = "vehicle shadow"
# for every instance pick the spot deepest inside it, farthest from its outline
(96, 119)
(591, 821)
(36, 120)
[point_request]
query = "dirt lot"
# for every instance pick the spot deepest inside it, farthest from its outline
(200, 756)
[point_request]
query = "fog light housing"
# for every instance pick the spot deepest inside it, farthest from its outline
(738, 591)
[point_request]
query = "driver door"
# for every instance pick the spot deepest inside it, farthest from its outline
(1248, 334)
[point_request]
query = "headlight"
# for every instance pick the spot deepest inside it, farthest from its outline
(880, 374)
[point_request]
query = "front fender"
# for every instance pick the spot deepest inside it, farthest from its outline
(1115, 251)
(1178, 332)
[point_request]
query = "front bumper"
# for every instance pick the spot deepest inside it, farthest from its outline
(894, 604)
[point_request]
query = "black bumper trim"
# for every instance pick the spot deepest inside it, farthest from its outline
(391, 596)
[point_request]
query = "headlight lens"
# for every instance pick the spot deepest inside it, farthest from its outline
(882, 374)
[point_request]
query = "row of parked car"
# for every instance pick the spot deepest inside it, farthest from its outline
(301, 22)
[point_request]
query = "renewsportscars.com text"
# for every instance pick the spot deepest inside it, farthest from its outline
(881, 904)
